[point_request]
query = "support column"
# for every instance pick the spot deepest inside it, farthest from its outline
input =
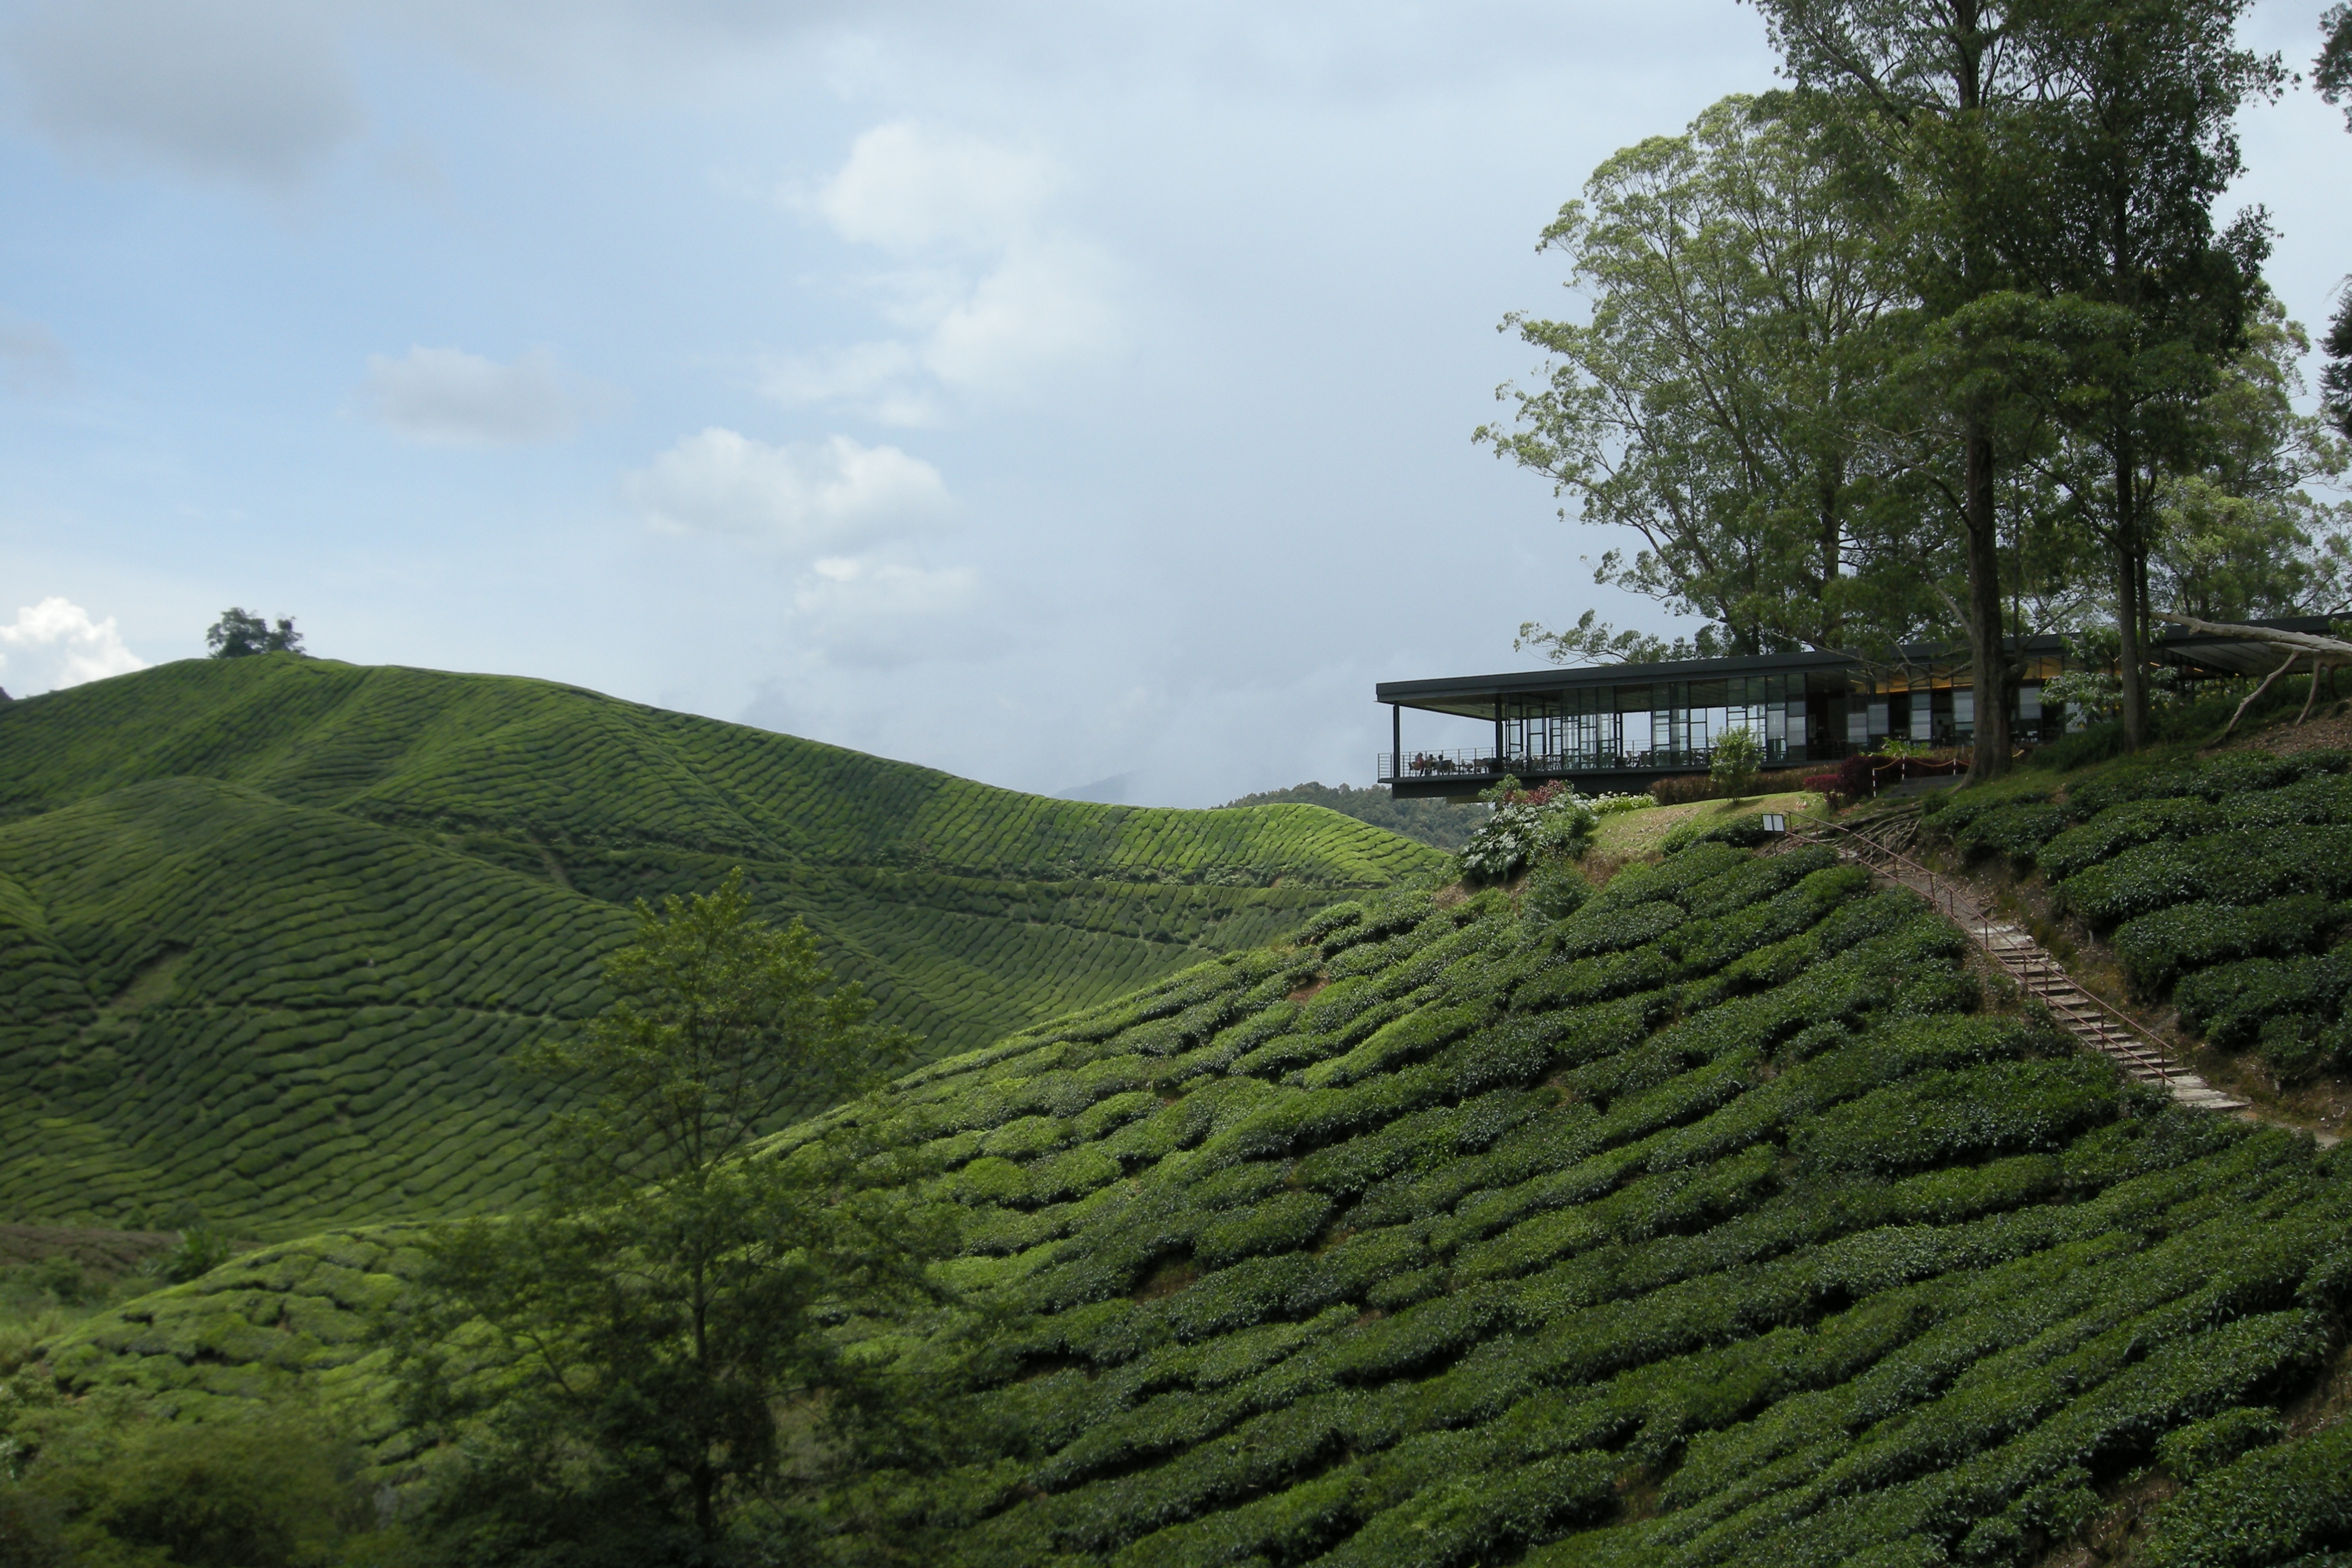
(1498, 734)
(1396, 742)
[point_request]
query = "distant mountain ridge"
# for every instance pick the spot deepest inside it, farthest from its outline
(269, 926)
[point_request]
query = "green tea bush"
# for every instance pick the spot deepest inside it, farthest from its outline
(1786, 1257)
(268, 928)
(1555, 891)
(2230, 1002)
(2225, 867)
(2159, 949)
(2204, 1447)
(2274, 1505)
(2017, 829)
(2122, 825)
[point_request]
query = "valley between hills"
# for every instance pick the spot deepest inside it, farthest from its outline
(1686, 1204)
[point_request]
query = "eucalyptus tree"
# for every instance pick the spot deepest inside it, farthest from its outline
(2332, 73)
(2243, 537)
(2151, 300)
(1938, 108)
(1719, 400)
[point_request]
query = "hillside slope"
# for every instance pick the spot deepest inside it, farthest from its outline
(2223, 884)
(268, 925)
(1706, 1225)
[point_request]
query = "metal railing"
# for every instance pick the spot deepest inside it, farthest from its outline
(1485, 762)
(1973, 918)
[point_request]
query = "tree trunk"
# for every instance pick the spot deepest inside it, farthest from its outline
(1994, 681)
(1832, 623)
(2131, 601)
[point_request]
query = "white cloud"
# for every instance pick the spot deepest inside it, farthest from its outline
(449, 398)
(830, 498)
(1045, 309)
(251, 88)
(877, 379)
(996, 301)
(909, 187)
(54, 644)
(877, 614)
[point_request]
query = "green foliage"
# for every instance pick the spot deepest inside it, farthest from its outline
(1735, 761)
(2231, 1003)
(611, 1362)
(201, 1250)
(269, 926)
(1555, 891)
(2198, 1449)
(1528, 827)
(239, 633)
(1777, 1258)
(2273, 1506)
(2224, 882)
(1716, 399)
(272, 1487)
(2017, 829)
(2160, 948)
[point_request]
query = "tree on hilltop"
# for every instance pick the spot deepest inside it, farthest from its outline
(239, 632)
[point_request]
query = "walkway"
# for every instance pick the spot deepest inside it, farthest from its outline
(2112, 1034)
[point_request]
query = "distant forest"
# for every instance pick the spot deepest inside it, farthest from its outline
(1433, 822)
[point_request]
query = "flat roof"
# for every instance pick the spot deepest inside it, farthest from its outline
(1452, 694)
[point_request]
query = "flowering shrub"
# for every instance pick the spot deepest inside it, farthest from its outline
(1609, 805)
(1528, 824)
(1848, 783)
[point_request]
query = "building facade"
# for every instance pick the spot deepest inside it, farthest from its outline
(1621, 726)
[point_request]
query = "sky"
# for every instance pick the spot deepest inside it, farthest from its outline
(1075, 397)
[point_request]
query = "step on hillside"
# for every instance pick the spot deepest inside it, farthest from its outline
(2093, 1022)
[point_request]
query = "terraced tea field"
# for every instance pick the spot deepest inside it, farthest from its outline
(267, 926)
(2225, 885)
(1708, 1225)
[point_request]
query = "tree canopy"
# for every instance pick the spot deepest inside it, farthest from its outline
(623, 1365)
(239, 632)
(1947, 342)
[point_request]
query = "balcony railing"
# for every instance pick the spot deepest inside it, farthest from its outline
(1485, 765)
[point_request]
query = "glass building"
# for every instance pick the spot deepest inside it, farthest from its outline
(1621, 726)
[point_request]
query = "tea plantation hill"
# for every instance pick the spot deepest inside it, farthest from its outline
(2221, 884)
(1711, 1224)
(269, 925)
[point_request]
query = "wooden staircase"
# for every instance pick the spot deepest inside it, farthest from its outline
(2113, 1035)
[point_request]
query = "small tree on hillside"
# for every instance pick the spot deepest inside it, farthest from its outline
(1737, 760)
(239, 632)
(615, 1363)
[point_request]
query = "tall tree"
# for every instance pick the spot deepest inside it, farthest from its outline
(2332, 73)
(613, 1362)
(1717, 401)
(1937, 100)
(2140, 104)
(2243, 537)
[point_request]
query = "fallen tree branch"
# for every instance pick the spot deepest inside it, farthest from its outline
(2292, 656)
(2329, 647)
